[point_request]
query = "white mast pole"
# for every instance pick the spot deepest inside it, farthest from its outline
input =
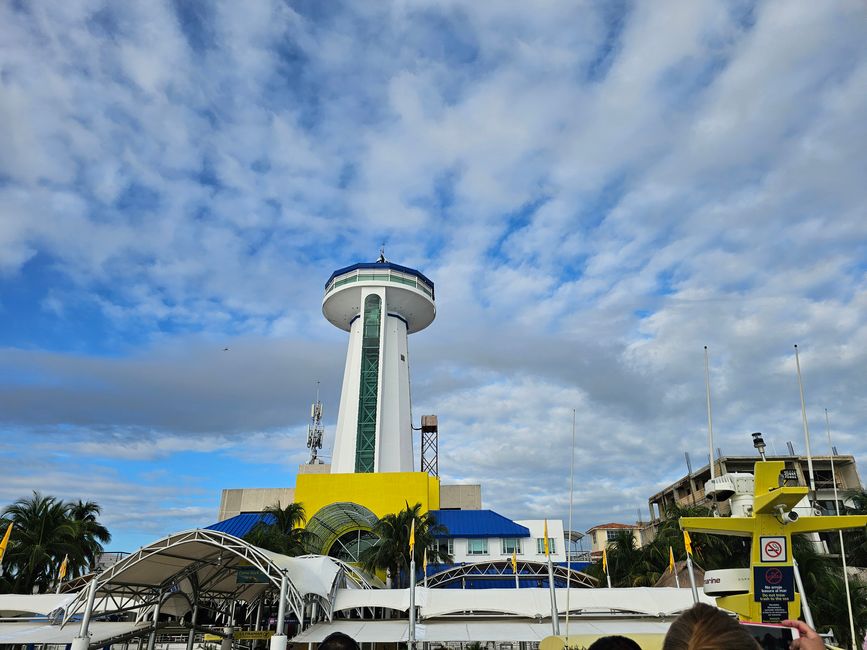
(709, 415)
(840, 532)
(806, 428)
(569, 541)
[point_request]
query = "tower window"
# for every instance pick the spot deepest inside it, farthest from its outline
(365, 441)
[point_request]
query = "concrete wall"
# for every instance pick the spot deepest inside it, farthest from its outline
(234, 502)
(461, 497)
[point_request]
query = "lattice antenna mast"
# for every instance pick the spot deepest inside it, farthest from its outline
(315, 430)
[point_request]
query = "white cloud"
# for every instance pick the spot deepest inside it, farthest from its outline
(597, 197)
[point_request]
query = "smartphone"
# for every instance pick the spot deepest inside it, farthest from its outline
(772, 637)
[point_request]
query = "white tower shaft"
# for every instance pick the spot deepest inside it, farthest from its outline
(379, 304)
(374, 424)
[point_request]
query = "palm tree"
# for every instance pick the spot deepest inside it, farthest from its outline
(285, 534)
(88, 534)
(391, 551)
(42, 535)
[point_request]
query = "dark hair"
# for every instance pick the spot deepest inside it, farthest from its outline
(614, 643)
(707, 628)
(338, 641)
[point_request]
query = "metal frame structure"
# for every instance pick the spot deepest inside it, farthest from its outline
(501, 569)
(207, 576)
(430, 445)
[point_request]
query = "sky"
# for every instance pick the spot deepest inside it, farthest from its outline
(597, 189)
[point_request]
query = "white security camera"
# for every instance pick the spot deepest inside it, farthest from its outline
(784, 516)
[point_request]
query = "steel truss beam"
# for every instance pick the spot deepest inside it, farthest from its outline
(500, 569)
(115, 595)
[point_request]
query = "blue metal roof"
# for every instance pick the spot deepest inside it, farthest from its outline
(242, 524)
(380, 266)
(478, 523)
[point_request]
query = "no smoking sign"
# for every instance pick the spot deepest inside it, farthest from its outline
(773, 549)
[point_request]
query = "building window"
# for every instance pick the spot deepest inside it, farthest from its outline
(511, 545)
(445, 546)
(477, 547)
(611, 535)
(540, 545)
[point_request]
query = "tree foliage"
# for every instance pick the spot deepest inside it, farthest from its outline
(391, 551)
(45, 530)
(285, 535)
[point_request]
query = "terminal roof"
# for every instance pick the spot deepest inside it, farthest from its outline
(478, 523)
(380, 266)
(240, 525)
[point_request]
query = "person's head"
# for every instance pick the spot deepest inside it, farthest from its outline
(338, 641)
(614, 643)
(707, 628)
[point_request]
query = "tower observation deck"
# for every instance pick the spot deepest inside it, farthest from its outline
(378, 303)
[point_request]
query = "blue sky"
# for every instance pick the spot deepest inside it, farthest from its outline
(598, 190)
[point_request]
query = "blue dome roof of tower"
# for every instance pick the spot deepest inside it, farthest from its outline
(381, 265)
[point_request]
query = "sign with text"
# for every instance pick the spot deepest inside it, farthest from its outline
(246, 575)
(774, 583)
(773, 549)
(775, 612)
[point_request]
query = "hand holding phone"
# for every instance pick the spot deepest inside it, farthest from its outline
(809, 639)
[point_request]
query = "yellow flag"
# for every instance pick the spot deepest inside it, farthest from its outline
(671, 559)
(687, 542)
(5, 541)
(424, 562)
(605, 560)
(547, 550)
(412, 536)
(514, 561)
(63, 566)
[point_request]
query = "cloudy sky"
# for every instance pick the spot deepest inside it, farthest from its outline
(598, 190)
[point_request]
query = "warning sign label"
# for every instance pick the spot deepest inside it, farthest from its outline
(774, 549)
(774, 583)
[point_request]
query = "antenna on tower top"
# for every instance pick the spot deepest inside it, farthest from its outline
(315, 430)
(382, 259)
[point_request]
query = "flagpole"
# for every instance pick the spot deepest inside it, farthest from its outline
(806, 428)
(709, 414)
(515, 568)
(605, 563)
(673, 566)
(840, 532)
(555, 620)
(569, 542)
(688, 545)
(412, 586)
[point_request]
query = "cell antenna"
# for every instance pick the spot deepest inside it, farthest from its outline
(315, 430)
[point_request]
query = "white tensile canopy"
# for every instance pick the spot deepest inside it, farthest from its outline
(532, 603)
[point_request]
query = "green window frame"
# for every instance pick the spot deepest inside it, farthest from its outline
(477, 546)
(365, 440)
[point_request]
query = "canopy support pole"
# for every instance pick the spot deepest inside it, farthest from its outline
(278, 641)
(152, 637)
(191, 635)
(82, 641)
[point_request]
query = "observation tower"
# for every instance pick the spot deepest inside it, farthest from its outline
(378, 303)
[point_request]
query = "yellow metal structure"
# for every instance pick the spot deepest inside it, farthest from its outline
(646, 641)
(771, 532)
(381, 493)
